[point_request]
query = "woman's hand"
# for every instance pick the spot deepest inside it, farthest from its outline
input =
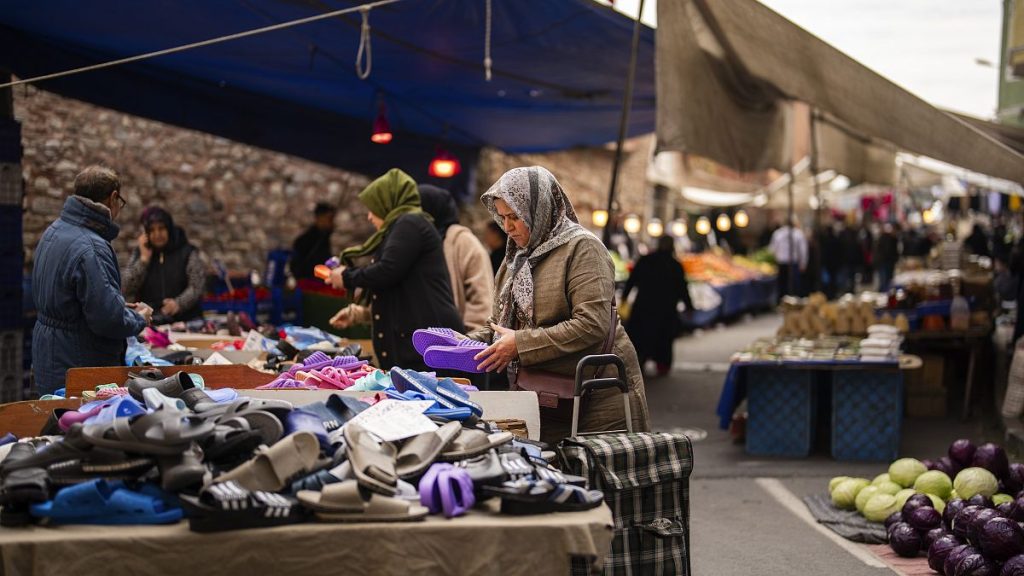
(337, 280)
(497, 356)
(170, 307)
(145, 252)
(343, 319)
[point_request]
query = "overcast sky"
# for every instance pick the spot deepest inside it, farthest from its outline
(927, 46)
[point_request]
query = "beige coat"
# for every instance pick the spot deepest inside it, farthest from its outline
(469, 268)
(573, 294)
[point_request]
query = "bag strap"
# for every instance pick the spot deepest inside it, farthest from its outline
(610, 339)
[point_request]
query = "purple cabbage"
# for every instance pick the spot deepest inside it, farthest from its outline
(939, 551)
(953, 507)
(946, 465)
(978, 522)
(1001, 539)
(1017, 509)
(961, 452)
(981, 500)
(963, 519)
(924, 519)
(1014, 481)
(955, 556)
(1013, 567)
(929, 537)
(1005, 509)
(992, 458)
(892, 519)
(929, 463)
(904, 540)
(914, 502)
(976, 565)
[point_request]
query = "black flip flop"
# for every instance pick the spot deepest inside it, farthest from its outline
(228, 506)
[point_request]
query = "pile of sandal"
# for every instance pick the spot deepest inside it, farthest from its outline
(161, 448)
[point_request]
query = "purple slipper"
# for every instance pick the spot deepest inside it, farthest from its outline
(286, 383)
(458, 357)
(75, 416)
(425, 338)
(445, 488)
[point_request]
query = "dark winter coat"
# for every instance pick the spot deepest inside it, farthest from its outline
(76, 285)
(653, 321)
(311, 248)
(409, 288)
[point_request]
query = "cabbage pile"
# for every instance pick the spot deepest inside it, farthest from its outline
(965, 510)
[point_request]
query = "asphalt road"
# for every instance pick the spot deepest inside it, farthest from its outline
(746, 511)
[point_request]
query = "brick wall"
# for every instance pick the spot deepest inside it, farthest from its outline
(235, 201)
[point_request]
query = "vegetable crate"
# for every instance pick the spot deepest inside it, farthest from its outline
(867, 413)
(781, 407)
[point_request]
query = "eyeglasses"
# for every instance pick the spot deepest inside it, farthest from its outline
(121, 201)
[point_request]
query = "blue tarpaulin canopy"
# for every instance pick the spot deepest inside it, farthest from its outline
(559, 73)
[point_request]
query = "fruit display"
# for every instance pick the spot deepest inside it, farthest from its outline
(815, 316)
(964, 511)
(718, 268)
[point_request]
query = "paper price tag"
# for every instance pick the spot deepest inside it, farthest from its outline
(392, 420)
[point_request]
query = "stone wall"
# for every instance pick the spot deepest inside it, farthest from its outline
(235, 201)
(584, 173)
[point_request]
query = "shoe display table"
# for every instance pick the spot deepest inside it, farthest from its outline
(482, 542)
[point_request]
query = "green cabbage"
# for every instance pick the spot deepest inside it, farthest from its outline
(880, 507)
(905, 470)
(971, 481)
(934, 482)
(845, 493)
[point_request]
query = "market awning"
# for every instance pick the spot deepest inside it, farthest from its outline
(558, 72)
(724, 66)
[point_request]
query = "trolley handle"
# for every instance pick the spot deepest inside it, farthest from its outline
(599, 360)
(602, 383)
(583, 387)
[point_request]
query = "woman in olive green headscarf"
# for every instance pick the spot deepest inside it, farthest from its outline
(406, 277)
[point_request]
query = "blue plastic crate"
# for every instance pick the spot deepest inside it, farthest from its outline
(867, 414)
(781, 411)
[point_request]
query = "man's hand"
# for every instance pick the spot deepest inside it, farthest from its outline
(337, 280)
(170, 307)
(142, 309)
(145, 252)
(497, 356)
(343, 319)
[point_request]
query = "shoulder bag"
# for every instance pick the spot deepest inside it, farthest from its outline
(551, 387)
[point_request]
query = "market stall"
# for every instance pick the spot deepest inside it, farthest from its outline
(739, 284)
(794, 388)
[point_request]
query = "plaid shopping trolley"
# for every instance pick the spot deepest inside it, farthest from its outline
(645, 479)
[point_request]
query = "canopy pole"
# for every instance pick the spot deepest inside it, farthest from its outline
(627, 103)
(794, 268)
(817, 196)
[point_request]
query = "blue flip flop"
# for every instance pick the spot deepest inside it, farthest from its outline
(120, 407)
(446, 392)
(106, 503)
(438, 410)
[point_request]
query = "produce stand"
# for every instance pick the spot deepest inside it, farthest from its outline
(865, 411)
(481, 542)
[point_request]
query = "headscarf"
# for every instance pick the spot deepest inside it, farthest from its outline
(388, 197)
(536, 198)
(440, 204)
(175, 236)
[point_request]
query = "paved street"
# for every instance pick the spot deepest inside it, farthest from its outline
(741, 524)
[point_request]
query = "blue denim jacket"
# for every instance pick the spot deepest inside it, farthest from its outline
(76, 284)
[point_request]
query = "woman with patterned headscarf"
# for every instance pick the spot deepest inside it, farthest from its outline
(555, 294)
(401, 270)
